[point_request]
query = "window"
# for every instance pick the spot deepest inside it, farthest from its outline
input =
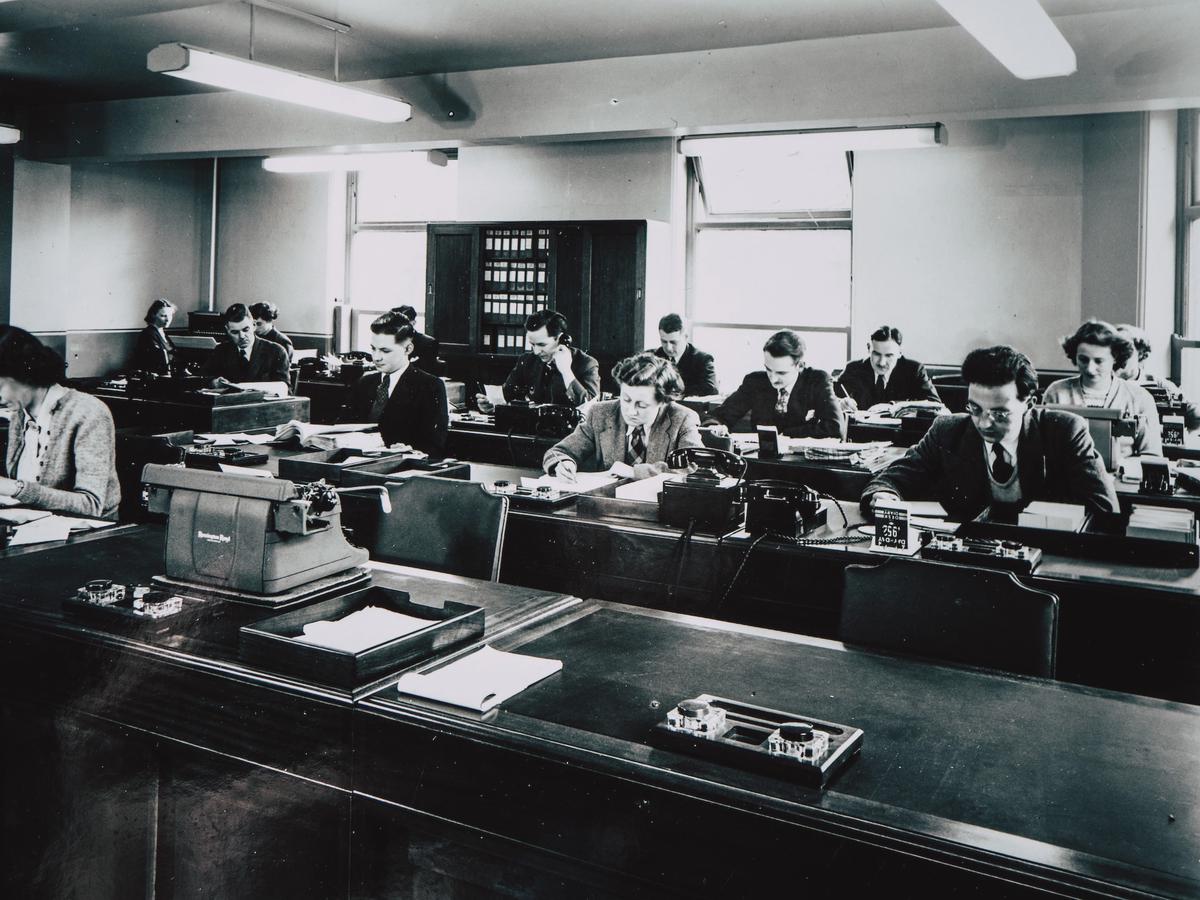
(389, 209)
(1188, 313)
(770, 243)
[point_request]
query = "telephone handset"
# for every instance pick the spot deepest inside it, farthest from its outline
(799, 496)
(711, 465)
(356, 356)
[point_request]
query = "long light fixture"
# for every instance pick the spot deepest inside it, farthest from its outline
(351, 162)
(9, 134)
(782, 143)
(1019, 33)
(236, 74)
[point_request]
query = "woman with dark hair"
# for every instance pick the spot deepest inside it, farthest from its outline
(61, 445)
(155, 352)
(1135, 371)
(640, 429)
(1099, 352)
(265, 315)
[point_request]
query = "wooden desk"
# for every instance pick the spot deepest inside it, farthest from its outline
(130, 411)
(482, 443)
(162, 764)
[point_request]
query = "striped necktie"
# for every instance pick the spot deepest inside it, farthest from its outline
(637, 446)
(781, 402)
(381, 399)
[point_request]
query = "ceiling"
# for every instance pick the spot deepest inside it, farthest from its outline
(54, 51)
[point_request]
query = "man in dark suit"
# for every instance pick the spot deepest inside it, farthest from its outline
(886, 375)
(1001, 451)
(244, 357)
(408, 404)
(797, 400)
(554, 371)
(425, 347)
(696, 367)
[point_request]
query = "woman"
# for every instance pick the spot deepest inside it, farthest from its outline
(1136, 372)
(1098, 352)
(155, 353)
(265, 315)
(640, 429)
(61, 445)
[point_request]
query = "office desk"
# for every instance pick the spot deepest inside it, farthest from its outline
(480, 442)
(838, 478)
(129, 411)
(161, 764)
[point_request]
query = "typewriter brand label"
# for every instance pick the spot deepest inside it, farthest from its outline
(213, 538)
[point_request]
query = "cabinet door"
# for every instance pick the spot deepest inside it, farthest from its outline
(452, 260)
(616, 283)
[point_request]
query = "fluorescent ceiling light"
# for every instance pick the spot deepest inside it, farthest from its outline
(352, 162)
(9, 135)
(236, 74)
(907, 138)
(1018, 33)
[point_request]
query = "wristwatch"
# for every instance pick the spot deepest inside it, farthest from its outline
(20, 486)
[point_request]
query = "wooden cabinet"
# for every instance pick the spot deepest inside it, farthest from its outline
(483, 279)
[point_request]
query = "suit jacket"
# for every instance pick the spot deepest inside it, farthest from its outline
(268, 362)
(602, 437)
(697, 369)
(1056, 460)
(425, 353)
(813, 391)
(909, 381)
(275, 336)
(415, 414)
(527, 381)
(154, 352)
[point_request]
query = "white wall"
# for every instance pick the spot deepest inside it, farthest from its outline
(280, 239)
(983, 241)
(94, 244)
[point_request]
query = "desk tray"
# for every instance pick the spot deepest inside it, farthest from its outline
(373, 474)
(1102, 537)
(227, 397)
(603, 501)
(330, 465)
(269, 643)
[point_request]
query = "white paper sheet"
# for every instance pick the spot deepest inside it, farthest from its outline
(585, 481)
(239, 437)
(246, 470)
(361, 630)
(645, 490)
(270, 388)
(38, 531)
(481, 680)
(495, 393)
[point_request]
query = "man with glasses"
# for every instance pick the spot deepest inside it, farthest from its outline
(1001, 451)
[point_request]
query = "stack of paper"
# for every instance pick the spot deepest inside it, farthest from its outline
(359, 436)
(1056, 516)
(480, 680)
(369, 627)
(241, 437)
(1160, 523)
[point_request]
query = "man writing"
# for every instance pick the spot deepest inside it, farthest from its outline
(886, 375)
(244, 357)
(1001, 451)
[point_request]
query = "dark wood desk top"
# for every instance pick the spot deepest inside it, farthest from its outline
(1054, 782)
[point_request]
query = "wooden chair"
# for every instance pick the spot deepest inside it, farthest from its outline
(442, 524)
(952, 613)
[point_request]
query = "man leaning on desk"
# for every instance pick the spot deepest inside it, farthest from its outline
(244, 357)
(696, 368)
(886, 375)
(1002, 450)
(797, 400)
(640, 429)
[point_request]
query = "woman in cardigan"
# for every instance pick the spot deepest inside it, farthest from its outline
(61, 444)
(154, 351)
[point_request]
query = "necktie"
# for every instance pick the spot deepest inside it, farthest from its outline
(1002, 469)
(781, 402)
(880, 387)
(637, 446)
(381, 399)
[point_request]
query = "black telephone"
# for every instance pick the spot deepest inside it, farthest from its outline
(782, 507)
(356, 356)
(711, 465)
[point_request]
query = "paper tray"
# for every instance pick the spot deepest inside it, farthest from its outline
(603, 501)
(270, 643)
(331, 464)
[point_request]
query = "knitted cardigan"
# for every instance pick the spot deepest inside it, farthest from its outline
(79, 473)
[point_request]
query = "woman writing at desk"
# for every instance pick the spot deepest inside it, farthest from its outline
(61, 445)
(1098, 352)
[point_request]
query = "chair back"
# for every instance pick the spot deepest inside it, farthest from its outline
(952, 613)
(443, 524)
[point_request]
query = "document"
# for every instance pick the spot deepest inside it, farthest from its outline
(645, 490)
(240, 437)
(495, 393)
(39, 529)
(361, 630)
(270, 388)
(481, 680)
(584, 482)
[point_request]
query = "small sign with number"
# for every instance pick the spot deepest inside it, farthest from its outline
(892, 532)
(1172, 430)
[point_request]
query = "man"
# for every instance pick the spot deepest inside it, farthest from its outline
(243, 357)
(799, 401)
(696, 367)
(886, 375)
(1001, 451)
(425, 348)
(641, 428)
(553, 371)
(408, 404)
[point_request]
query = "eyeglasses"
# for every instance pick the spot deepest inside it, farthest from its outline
(999, 416)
